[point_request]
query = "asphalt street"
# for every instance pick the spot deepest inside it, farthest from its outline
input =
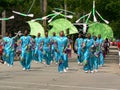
(42, 77)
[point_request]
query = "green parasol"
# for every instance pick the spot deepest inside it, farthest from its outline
(36, 28)
(62, 25)
(101, 28)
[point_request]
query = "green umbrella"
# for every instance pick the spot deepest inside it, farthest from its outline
(62, 25)
(101, 28)
(36, 28)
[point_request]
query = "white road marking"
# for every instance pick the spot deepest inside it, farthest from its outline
(55, 85)
(13, 87)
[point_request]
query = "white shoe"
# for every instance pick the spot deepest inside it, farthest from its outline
(51, 62)
(60, 71)
(81, 64)
(23, 69)
(36, 61)
(28, 69)
(8, 65)
(11, 66)
(44, 63)
(78, 63)
(5, 62)
(91, 71)
(101, 65)
(65, 70)
(86, 71)
(96, 70)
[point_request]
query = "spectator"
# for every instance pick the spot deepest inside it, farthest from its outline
(118, 44)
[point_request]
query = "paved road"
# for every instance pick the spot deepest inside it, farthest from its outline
(42, 77)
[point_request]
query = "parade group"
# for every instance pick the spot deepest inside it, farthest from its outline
(89, 50)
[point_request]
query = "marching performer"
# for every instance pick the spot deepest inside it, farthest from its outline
(62, 55)
(5, 45)
(88, 63)
(53, 46)
(33, 46)
(26, 54)
(78, 47)
(95, 54)
(47, 48)
(39, 48)
(101, 57)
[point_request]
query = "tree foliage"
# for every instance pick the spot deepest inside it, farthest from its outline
(109, 9)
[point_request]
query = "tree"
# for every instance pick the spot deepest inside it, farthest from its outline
(109, 9)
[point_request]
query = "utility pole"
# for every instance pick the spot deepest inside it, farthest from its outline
(44, 13)
(3, 28)
(41, 7)
(65, 6)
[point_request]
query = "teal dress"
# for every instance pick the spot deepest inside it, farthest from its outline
(39, 49)
(11, 51)
(53, 48)
(101, 57)
(87, 55)
(47, 50)
(61, 53)
(26, 54)
(78, 47)
(6, 44)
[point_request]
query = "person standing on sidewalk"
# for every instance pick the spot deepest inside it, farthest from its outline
(118, 44)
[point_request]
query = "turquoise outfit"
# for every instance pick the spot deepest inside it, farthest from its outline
(6, 45)
(11, 51)
(61, 53)
(39, 49)
(53, 51)
(26, 54)
(95, 55)
(101, 57)
(33, 46)
(47, 50)
(87, 55)
(78, 47)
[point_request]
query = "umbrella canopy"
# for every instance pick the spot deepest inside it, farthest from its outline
(101, 28)
(36, 28)
(62, 25)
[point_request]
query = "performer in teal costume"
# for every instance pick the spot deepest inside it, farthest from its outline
(33, 46)
(95, 54)
(101, 57)
(26, 54)
(62, 55)
(88, 65)
(39, 48)
(10, 50)
(47, 48)
(53, 47)
(79, 48)
(5, 45)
